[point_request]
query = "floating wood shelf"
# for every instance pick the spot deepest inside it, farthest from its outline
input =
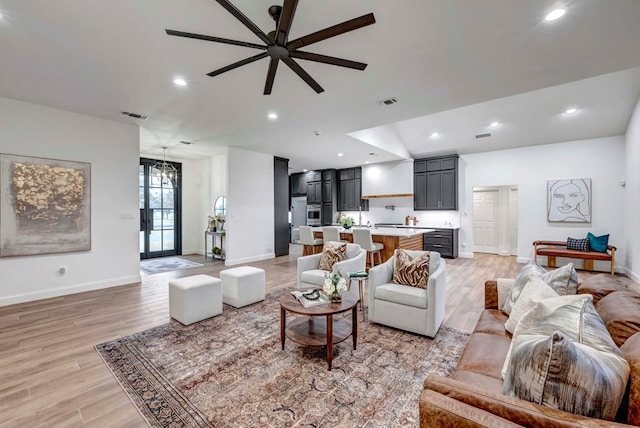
(395, 195)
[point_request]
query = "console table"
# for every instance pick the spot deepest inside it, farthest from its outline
(214, 238)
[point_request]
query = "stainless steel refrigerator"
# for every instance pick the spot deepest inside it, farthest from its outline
(298, 216)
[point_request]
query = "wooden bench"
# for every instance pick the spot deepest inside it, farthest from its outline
(553, 249)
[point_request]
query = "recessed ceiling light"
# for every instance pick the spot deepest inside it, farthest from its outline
(340, 154)
(179, 81)
(555, 14)
(366, 161)
(272, 116)
(305, 170)
(571, 110)
(494, 124)
(435, 135)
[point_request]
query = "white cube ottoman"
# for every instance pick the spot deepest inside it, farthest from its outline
(195, 298)
(242, 286)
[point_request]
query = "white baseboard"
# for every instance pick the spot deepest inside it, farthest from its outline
(232, 262)
(70, 289)
(465, 255)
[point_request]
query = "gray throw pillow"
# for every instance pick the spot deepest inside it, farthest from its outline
(568, 361)
(563, 280)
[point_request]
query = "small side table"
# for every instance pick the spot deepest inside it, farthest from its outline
(361, 281)
(214, 235)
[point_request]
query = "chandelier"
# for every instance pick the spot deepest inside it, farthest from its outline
(165, 172)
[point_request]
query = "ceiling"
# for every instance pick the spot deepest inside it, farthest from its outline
(454, 66)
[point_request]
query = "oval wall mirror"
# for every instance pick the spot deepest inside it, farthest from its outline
(220, 206)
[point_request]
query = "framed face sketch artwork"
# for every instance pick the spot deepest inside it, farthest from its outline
(569, 201)
(45, 206)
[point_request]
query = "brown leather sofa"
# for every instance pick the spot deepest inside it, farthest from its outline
(472, 396)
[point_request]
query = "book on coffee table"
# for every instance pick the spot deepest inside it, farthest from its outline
(359, 274)
(311, 297)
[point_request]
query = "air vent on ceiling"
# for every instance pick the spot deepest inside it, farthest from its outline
(187, 143)
(135, 115)
(488, 134)
(388, 101)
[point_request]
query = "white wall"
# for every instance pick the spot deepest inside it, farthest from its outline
(112, 149)
(529, 168)
(250, 219)
(196, 204)
(632, 197)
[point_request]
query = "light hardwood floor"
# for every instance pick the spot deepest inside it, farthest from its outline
(51, 375)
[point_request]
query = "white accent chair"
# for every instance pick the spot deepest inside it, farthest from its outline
(309, 274)
(404, 307)
(307, 239)
(362, 237)
(331, 233)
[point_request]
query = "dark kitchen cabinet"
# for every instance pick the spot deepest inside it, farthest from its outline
(350, 190)
(435, 183)
(444, 241)
(314, 193)
(298, 184)
(329, 213)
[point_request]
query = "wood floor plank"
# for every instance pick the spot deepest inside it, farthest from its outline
(51, 375)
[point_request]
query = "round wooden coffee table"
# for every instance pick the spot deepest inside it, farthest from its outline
(319, 328)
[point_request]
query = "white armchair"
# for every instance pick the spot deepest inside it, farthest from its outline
(408, 308)
(310, 276)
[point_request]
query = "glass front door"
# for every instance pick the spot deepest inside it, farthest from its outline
(160, 232)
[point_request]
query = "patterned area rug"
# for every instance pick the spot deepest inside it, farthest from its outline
(165, 265)
(230, 371)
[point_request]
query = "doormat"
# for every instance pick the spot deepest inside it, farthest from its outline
(165, 265)
(230, 371)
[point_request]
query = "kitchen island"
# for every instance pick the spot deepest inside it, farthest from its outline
(391, 237)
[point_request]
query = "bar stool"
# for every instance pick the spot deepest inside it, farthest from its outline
(307, 239)
(362, 237)
(331, 233)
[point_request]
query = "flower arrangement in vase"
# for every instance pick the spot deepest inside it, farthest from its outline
(346, 221)
(333, 285)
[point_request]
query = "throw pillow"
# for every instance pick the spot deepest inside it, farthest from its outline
(411, 271)
(578, 244)
(519, 283)
(563, 280)
(534, 291)
(598, 243)
(332, 253)
(620, 312)
(568, 361)
(540, 311)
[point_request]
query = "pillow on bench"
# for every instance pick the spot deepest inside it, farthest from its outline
(578, 244)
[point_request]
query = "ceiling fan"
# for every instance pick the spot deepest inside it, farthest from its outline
(277, 45)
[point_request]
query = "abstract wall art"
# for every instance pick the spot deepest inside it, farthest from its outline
(569, 201)
(45, 206)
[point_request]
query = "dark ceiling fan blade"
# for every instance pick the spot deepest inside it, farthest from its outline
(303, 74)
(345, 27)
(328, 60)
(286, 18)
(246, 21)
(271, 75)
(238, 64)
(214, 39)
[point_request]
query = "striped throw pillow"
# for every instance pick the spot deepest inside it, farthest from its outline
(411, 271)
(578, 244)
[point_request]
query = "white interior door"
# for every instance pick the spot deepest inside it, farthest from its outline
(485, 218)
(513, 220)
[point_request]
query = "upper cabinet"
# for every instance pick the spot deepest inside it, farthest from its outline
(350, 190)
(298, 184)
(435, 183)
